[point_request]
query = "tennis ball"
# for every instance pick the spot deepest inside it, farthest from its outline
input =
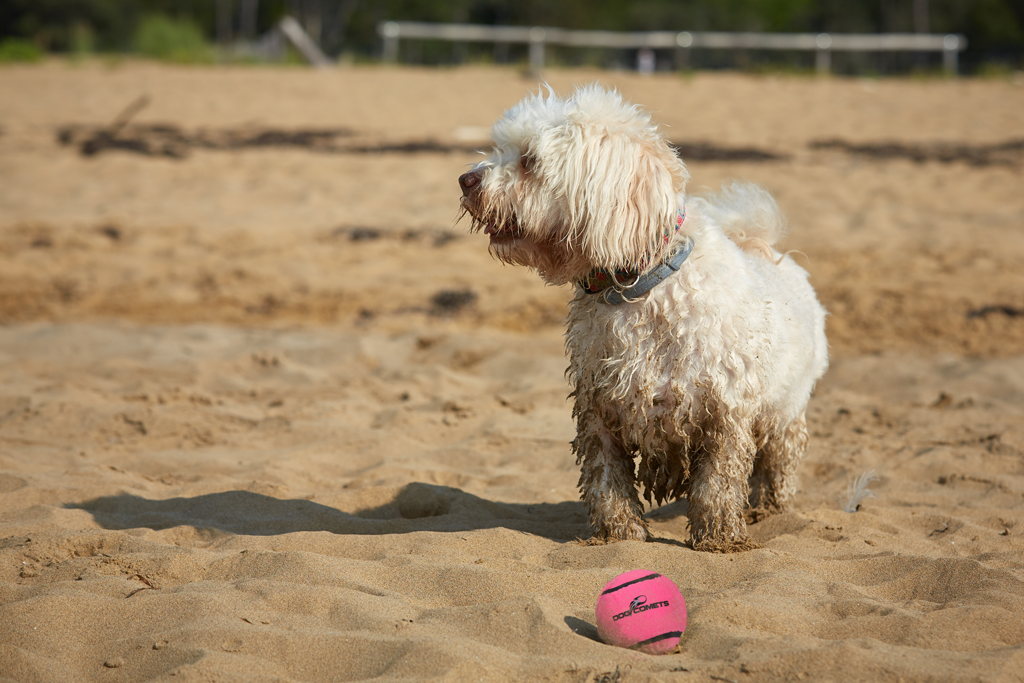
(641, 610)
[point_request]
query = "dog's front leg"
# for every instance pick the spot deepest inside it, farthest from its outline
(718, 491)
(608, 483)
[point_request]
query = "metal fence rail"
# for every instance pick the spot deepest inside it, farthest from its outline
(823, 44)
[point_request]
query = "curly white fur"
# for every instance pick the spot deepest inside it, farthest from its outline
(697, 389)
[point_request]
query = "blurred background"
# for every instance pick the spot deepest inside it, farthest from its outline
(242, 30)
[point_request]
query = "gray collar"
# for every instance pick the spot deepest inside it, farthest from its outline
(614, 296)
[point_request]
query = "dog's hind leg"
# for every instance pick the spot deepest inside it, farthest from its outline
(718, 491)
(608, 485)
(773, 484)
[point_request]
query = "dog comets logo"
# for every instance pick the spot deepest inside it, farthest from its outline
(639, 604)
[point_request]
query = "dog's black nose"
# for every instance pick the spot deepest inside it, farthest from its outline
(467, 181)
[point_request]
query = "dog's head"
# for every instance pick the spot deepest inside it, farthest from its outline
(575, 184)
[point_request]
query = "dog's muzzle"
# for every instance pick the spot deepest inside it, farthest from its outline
(499, 228)
(469, 182)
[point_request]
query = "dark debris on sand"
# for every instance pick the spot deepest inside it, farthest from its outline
(169, 140)
(704, 151)
(1007, 153)
(451, 301)
(985, 311)
(166, 140)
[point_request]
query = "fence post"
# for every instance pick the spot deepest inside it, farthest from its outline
(223, 11)
(823, 58)
(391, 32)
(950, 52)
(537, 50)
(683, 42)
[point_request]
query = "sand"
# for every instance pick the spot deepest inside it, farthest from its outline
(271, 415)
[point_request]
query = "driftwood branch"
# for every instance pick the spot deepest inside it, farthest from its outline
(105, 137)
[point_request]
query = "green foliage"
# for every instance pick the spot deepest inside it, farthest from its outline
(83, 40)
(995, 21)
(19, 50)
(996, 70)
(174, 40)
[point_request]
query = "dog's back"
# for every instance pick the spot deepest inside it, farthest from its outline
(747, 214)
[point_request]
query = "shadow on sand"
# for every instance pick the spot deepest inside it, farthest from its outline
(416, 507)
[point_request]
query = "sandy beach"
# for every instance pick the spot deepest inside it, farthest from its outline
(269, 413)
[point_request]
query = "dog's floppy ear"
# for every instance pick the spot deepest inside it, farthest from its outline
(621, 188)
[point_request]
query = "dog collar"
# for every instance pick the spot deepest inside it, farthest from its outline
(612, 292)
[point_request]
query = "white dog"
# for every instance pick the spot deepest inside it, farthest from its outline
(693, 345)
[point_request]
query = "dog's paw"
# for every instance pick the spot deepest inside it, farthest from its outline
(733, 545)
(626, 531)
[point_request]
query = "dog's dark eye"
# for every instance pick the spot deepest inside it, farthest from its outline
(527, 162)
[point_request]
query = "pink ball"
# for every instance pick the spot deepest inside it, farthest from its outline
(643, 611)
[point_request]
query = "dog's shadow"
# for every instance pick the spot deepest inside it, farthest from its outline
(416, 507)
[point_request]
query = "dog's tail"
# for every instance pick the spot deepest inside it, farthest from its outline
(747, 214)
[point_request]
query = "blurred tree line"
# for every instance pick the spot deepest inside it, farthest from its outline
(994, 28)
